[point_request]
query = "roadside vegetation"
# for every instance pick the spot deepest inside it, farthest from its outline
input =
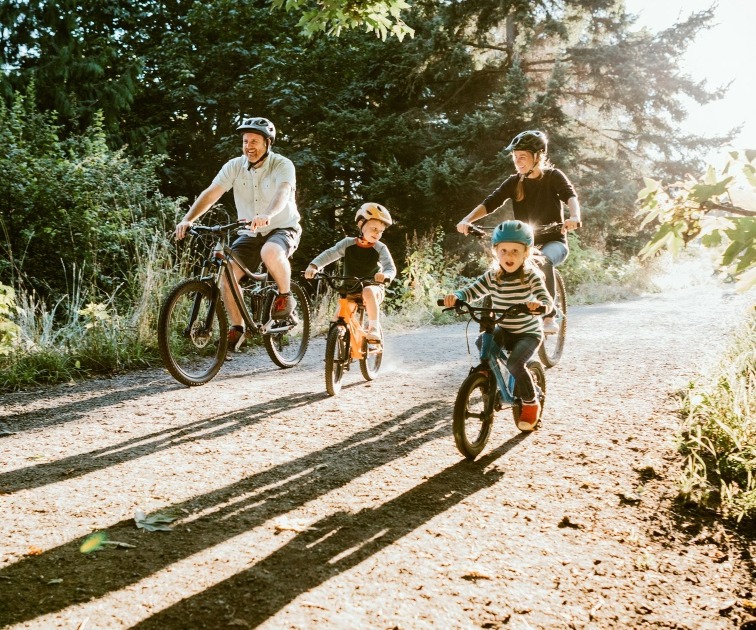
(718, 436)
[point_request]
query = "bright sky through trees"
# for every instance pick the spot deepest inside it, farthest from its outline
(722, 54)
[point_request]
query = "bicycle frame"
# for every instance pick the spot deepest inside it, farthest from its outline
(256, 283)
(496, 357)
(349, 313)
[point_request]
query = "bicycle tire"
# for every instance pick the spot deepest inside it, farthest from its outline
(552, 346)
(192, 352)
(539, 378)
(287, 349)
(473, 413)
(336, 357)
(371, 364)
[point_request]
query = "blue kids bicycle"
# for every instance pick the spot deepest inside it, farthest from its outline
(489, 387)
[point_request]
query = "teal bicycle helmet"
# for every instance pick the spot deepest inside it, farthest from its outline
(531, 140)
(512, 232)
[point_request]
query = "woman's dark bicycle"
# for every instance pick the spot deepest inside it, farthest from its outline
(489, 387)
(193, 326)
(347, 340)
(551, 349)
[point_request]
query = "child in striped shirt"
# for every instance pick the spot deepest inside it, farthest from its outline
(515, 280)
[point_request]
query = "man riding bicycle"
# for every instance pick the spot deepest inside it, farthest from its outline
(264, 185)
(538, 191)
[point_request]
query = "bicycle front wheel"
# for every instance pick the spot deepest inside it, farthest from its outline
(193, 332)
(336, 358)
(473, 413)
(288, 343)
(371, 363)
(550, 350)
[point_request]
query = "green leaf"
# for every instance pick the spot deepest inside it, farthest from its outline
(94, 542)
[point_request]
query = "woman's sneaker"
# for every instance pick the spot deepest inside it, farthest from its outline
(529, 414)
(235, 339)
(550, 327)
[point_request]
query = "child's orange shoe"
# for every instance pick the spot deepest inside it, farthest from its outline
(530, 412)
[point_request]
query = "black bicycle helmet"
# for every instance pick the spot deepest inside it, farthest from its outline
(260, 126)
(531, 140)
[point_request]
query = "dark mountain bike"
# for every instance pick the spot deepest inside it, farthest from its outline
(193, 326)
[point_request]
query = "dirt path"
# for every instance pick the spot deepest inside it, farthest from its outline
(298, 510)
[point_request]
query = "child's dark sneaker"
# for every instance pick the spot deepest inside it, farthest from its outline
(235, 339)
(529, 414)
(283, 306)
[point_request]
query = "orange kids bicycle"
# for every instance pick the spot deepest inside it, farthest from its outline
(347, 341)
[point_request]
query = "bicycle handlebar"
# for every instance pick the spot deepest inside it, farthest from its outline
(333, 280)
(478, 313)
(481, 231)
(201, 230)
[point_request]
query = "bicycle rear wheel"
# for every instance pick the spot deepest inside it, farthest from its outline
(539, 380)
(473, 413)
(550, 350)
(287, 345)
(336, 357)
(192, 332)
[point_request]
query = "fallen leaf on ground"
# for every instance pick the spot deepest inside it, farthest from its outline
(475, 575)
(154, 522)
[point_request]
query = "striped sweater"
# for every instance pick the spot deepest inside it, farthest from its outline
(508, 290)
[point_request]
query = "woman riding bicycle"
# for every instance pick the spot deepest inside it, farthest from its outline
(537, 192)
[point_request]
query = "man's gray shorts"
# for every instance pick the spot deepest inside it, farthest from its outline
(248, 248)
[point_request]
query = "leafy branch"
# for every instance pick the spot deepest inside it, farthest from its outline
(382, 17)
(717, 210)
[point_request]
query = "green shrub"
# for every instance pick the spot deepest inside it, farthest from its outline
(427, 275)
(8, 328)
(719, 431)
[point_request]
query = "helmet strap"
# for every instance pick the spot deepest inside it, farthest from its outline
(255, 163)
(267, 152)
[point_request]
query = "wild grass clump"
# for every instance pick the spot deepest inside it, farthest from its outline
(85, 332)
(718, 437)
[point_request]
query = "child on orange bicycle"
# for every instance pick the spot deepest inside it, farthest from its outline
(517, 280)
(364, 256)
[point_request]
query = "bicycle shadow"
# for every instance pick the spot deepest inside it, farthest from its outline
(55, 413)
(215, 516)
(39, 475)
(332, 546)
